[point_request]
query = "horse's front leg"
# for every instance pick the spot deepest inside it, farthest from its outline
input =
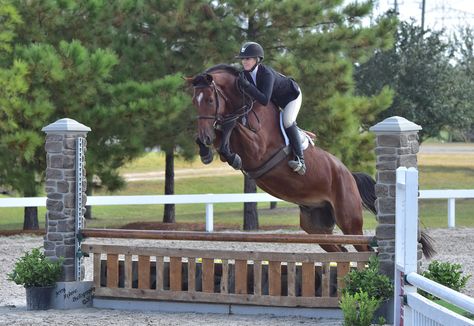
(205, 152)
(233, 159)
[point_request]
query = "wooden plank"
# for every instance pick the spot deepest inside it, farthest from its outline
(247, 299)
(143, 272)
(232, 254)
(225, 276)
(240, 276)
(208, 275)
(176, 279)
(159, 273)
(128, 271)
(307, 282)
(112, 270)
(227, 236)
(342, 270)
(325, 279)
(257, 277)
(97, 270)
(274, 278)
(191, 274)
(291, 279)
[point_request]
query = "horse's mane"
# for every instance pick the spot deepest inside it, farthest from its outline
(230, 69)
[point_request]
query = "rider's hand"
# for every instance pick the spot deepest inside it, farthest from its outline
(244, 83)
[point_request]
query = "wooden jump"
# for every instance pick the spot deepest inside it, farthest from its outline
(233, 237)
(264, 278)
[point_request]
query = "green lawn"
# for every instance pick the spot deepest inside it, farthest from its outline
(437, 171)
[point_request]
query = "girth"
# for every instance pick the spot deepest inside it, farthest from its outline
(270, 163)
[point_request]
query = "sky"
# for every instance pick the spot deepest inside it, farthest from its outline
(449, 14)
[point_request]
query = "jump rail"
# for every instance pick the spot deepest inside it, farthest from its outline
(233, 237)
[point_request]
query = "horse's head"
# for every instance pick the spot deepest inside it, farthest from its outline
(210, 101)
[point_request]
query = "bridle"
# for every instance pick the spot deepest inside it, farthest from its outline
(219, 119)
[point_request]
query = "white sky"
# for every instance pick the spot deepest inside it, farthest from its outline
(449, 14)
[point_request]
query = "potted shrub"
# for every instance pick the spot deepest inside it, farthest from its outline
(366, 295)
(38, 275)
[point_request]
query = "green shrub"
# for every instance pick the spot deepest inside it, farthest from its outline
(447, 274)
(369, 280)
(35, 270)
(358, 308)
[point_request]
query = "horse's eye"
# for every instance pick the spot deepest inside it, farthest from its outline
(210, 101)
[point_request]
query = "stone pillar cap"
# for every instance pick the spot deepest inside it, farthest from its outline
(65, 125)
(395, 124)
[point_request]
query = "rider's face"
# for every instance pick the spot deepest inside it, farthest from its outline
(248, 63)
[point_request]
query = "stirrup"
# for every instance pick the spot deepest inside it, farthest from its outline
(298, 166)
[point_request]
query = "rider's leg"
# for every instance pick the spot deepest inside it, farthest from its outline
(298, 163)
(290, 112)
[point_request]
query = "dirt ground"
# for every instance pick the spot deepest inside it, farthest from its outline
(452, 245)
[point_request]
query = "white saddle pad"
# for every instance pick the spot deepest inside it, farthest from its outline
(305, 139)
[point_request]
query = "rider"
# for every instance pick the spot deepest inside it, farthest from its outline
(265, 84)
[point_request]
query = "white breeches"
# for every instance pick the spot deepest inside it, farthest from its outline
(290, 111)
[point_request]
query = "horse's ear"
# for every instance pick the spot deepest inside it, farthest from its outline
(209, 78)
(188, 80)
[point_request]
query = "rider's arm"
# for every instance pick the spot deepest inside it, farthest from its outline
(264, 94)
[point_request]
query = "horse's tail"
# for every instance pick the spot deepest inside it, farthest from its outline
(366, 185)
(427, 245)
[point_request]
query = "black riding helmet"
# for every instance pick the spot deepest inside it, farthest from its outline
(251, 50)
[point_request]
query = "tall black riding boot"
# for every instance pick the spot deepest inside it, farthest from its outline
(297, 165)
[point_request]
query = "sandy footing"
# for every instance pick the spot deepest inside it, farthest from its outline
(452, 245)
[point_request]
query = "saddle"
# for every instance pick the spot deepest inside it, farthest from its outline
(307, 137)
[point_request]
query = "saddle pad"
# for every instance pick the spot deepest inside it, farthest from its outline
(305, 139)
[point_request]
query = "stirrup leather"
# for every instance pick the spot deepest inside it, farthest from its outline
(298, 165)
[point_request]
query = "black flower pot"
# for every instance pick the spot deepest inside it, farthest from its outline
(39, 298)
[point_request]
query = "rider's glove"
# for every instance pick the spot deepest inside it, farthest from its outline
(243, 82)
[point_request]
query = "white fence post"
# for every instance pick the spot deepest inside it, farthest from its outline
(451, 212)
(406, 240)
(209, 217)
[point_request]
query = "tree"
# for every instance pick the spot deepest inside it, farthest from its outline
(318, 44)
(462, 85)
(137, 32)
(418, 70)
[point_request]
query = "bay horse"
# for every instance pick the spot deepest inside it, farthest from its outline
(247, 136)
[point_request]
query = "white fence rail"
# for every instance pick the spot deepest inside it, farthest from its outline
(208, 199)
(211, 199)
(451, 195)
(410, 308)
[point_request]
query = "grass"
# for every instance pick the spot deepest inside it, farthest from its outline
(454, 308)
(437, 171)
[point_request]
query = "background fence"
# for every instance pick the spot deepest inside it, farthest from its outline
(210, 199)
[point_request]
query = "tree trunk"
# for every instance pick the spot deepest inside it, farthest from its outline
(30, 221)
(250, 209)
(169, 212)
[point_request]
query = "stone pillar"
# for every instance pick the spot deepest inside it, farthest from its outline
(396, 145)
(61, 161)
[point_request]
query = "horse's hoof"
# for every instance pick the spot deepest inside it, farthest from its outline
(206, 159)
(236, 162)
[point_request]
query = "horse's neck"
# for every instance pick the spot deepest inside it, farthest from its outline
(261, 139)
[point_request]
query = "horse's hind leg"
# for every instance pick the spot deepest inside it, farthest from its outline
(319, 220)
(350, 219)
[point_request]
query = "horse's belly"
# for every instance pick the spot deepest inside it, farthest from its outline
(301, 193)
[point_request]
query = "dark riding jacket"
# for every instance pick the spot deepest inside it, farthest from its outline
(272, 86)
